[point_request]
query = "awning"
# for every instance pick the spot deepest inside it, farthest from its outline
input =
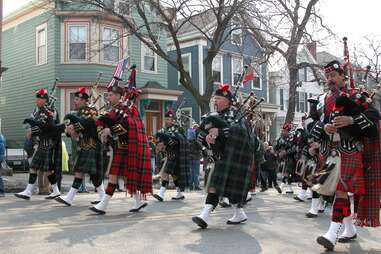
(154, 91)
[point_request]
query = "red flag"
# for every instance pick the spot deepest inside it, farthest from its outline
(250, 74)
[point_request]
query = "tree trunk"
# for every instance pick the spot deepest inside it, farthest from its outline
(293, 73)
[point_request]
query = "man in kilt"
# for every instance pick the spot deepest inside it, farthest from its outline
(172, 139)
(46, 133)
(286, 151)
(81, 127)
(123, 127)
(233, 147)
(354, 122)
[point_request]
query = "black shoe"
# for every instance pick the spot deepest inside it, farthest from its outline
(95, 202)
(52, 197)
(180, 198)
(248, 200)
(158, 197)
(278, 189)
(60, 200)
(100, 212)
(197, 188)
(298, 199)
(263, 189)
(345, 239)
(235, 222)
(224, 204)
(22, 196)
(311, 215)
(325, 242)
(321, 211)
(135, 210)
(200, 222)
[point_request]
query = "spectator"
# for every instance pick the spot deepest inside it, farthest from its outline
(271, 168)
(2, 159)
(195, 156)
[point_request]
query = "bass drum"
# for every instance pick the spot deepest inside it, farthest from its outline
(310, 169)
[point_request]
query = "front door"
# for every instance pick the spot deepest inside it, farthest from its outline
(153, 122)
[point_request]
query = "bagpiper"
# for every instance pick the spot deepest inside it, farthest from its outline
(80, 126)
(172, 140)
(45, 131)
(123, 127)
(286, 150)
(227, 132)
(352, 126)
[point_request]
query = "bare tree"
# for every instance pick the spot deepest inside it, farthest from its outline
(287, 24)
(369, 53)
(152, 19)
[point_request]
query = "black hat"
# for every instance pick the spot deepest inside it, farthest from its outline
(42, 94)
(170, 113)
(334, 66)
(313, 100)
(81, 93)
(224, 91)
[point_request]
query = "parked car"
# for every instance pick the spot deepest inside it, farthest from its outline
(17, 159)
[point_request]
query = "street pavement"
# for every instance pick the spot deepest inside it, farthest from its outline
(276, 224)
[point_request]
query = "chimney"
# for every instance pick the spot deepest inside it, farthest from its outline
(312, 48)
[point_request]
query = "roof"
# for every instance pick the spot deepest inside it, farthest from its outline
(201, 20)
(324, 57)
(153, 84)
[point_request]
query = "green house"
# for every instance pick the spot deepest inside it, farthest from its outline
(46, 40)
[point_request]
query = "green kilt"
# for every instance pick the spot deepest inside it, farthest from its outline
(178, 162)
(87, 161)
(43, 159)
(231, 176)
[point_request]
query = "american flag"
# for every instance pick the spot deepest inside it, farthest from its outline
(118, 73)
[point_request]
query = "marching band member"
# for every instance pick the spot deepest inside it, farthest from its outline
(233, 149)
(81, 127)
(172, 139)
(47, 156)
(355, 123)
(131, 153)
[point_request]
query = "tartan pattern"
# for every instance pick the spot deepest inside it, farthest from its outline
(43, 159)
(134, 162)
(341, 208)
(232, 174)
(87, 161)
(368, 210)
(351, 171)
(139, 176)
(178, 162)
(329, 103)
(253, 177)
(87, 158)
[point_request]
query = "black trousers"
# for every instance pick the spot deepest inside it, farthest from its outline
(272, 177)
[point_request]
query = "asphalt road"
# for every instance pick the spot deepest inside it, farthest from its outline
(276, 225)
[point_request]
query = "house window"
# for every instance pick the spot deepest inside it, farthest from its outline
(302, 74)
(236, 69)
(111, 41)
(257, 82)
(41, 44)
(186, 59)
(236, 33)
(149, 59)
(78, 40)
(301, 100)
(281, 99)
(217, 69)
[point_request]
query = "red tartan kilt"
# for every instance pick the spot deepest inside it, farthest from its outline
(119, 162)
(352, 173)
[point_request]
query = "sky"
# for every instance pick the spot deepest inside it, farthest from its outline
(351, 18)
